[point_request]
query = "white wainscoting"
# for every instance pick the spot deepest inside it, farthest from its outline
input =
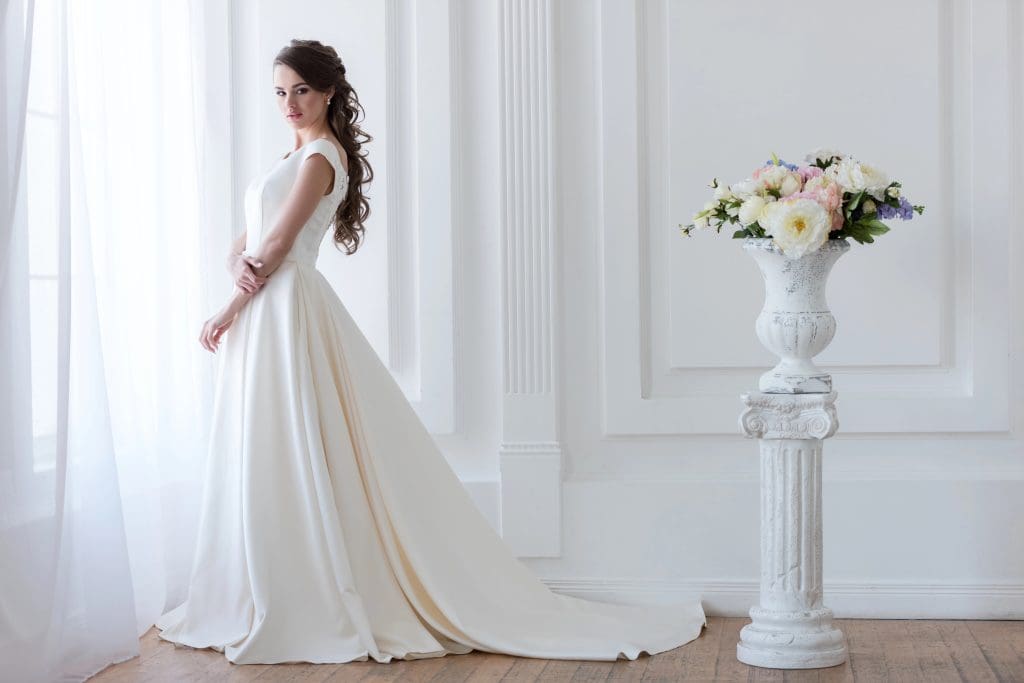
(643, 340)
(923, 483)
(924, 331)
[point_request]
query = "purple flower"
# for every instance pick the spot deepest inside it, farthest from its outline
(905, 211)
(782, 162)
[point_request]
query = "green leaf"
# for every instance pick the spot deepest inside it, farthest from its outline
(740, 233)
(872, 226)
(858, 231)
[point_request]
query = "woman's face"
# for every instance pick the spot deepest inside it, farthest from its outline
(299, 103)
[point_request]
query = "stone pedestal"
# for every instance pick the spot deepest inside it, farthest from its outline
(791, 628)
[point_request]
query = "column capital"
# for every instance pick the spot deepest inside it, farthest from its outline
(789, 416)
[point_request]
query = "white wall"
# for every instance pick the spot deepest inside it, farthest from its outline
(625, 476)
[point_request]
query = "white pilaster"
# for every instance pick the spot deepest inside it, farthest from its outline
(791, 627)
(531, 454)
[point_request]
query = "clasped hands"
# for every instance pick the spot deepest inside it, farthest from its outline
(241, 268)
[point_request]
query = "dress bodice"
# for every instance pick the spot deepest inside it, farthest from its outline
(266, 194)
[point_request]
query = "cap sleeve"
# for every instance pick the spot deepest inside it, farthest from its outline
(327, 148)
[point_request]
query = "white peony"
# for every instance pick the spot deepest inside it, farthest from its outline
(746, 188)
(772, 176)
(791, 184)
(750, 210)
(780, 178)
(798, 226)
(855, 176)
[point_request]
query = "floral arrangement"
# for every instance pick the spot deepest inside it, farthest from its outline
(833, 196)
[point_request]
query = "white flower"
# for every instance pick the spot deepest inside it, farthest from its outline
(746, 188)
(868, 206)
(750, 210)
(799, 226)
(790, 184)
(722, 192)
(767, 215)
(823, 154)
(855, 176)
(893, 191)
(772, 176)
(780, 178)
(700, 223)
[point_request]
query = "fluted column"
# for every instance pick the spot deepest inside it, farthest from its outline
(791, 628)
(531, 452)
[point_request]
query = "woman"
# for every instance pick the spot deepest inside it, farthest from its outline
(332, 528)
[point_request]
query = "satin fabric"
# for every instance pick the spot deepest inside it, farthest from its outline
(332, 527)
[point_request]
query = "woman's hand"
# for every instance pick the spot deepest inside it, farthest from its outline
(215, 327)
(240, 267)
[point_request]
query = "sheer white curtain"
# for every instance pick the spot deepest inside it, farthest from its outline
(115, 218)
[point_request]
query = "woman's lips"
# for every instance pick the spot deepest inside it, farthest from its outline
(294, 116)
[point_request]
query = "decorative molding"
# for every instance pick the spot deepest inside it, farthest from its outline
(531, 498)
(423, 219)
(642, 394)
(458, 116)
(789, 416)
(527, 209)
(400, 158)
(849, 599)
(530, 457)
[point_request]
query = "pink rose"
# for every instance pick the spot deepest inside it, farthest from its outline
(837, 221)
(808, 172)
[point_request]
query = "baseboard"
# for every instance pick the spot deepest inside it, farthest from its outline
(848, 599)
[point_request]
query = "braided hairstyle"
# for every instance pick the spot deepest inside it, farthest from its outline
(320, 67)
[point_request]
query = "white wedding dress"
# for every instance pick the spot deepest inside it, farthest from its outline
(332, 528)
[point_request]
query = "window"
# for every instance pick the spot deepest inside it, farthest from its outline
(41, 206)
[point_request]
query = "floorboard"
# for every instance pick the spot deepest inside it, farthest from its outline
(880, 650)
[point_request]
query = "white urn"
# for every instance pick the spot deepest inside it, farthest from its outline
(795, 323)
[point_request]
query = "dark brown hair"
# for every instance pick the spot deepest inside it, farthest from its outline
(320, 67)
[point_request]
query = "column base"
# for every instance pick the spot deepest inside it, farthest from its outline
(791, 640)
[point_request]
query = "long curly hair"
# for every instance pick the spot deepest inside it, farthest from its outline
(320, 67)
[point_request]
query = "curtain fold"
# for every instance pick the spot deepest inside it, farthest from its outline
(105, 392)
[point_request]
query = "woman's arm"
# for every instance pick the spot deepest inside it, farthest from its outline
(241, 265)
(311, 182)
(237, 247)
(314, 177)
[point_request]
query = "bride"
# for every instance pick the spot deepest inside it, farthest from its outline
(332, 528)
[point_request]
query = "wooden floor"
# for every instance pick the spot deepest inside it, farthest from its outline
(886, 650)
